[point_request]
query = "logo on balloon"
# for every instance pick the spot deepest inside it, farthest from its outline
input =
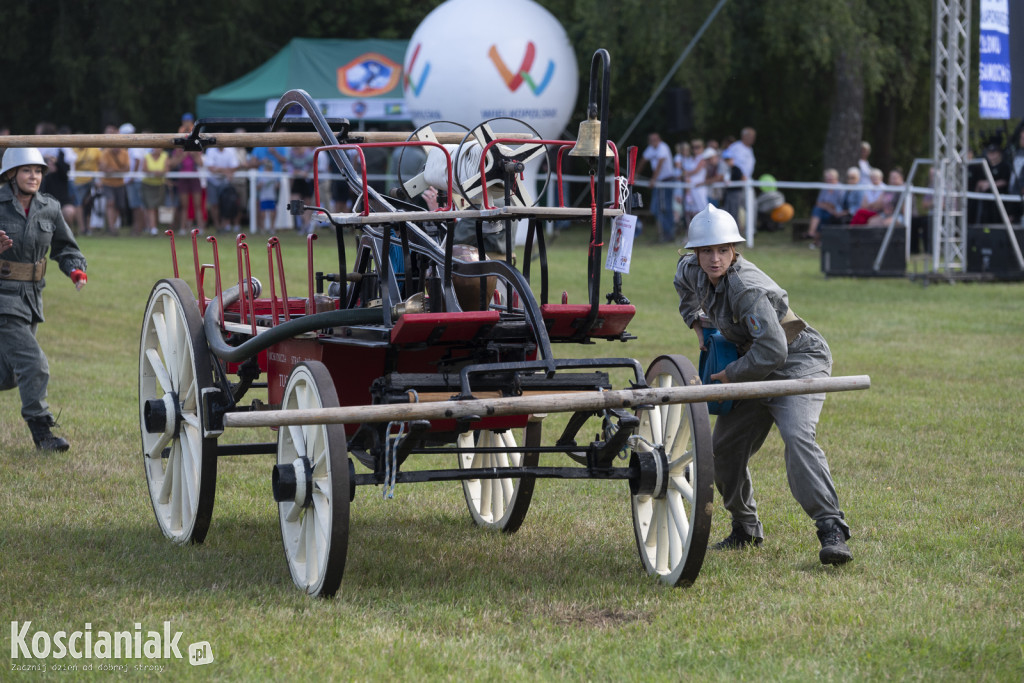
(368, 75)
(522, 75)
(418, 85)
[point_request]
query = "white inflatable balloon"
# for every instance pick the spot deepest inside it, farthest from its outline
(472, 60)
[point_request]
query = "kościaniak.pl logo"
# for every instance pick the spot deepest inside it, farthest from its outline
(89, 644)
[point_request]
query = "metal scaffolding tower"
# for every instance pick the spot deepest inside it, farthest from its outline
(951, 88)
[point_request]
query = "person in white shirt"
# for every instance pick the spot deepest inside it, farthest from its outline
(221, 162)
(743, 152)
(659, 156)
(863, 164)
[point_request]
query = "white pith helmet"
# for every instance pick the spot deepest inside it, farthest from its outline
(20, 156)
(712, 226)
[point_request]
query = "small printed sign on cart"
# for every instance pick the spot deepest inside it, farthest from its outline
(620, 249)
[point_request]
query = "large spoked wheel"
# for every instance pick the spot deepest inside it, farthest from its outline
(499, 504)
(174, 368)
(672, 524)
(314, 508)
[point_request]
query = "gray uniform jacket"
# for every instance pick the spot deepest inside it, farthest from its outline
(753, 312)
(44, 229)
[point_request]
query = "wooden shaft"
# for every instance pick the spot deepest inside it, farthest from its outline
(436, 396)
(166, 140)
(557, 403)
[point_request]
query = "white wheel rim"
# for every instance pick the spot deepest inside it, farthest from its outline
(664, 524)
(306, 531)
(489, 499)
(168, 367)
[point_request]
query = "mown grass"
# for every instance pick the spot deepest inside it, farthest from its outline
(928, 465)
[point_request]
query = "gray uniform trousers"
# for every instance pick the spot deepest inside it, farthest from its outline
(740, 433)
(23, 364)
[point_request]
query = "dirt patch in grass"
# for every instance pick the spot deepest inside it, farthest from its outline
(590, 616)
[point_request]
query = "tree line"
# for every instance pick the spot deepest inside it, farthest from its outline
(814, 77)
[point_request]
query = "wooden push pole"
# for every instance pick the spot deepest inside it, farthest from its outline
(552, 403)
(215, 139)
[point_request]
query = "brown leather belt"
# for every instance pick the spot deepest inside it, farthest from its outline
(23, 272)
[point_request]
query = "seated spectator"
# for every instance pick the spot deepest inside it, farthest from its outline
(889, 199)
(853, 198)
(871, 199)
(828, 207)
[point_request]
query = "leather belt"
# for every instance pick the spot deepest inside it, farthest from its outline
(23, 272)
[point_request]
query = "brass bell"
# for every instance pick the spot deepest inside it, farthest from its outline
(588, 142)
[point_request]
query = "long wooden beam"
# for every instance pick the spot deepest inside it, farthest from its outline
(167, 140)
(554, 403)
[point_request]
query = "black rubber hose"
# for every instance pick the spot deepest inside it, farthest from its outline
(278, 333)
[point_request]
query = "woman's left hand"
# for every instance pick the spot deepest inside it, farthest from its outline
(720, 377)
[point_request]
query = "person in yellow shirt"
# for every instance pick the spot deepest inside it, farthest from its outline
(154, 166)
(114, 161)
(87, 162)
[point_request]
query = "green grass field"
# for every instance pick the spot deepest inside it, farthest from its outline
(929, 465)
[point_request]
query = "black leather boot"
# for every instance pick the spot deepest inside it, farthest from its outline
(833, 545)
(43, 437)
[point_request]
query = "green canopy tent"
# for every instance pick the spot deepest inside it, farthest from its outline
(360, 80)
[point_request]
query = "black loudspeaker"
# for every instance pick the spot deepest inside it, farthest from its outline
(851, 251)
(678, 110)
(989, 251)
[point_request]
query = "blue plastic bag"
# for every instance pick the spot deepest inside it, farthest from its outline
(718, 354)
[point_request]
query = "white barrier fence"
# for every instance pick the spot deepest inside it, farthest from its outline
(576, 188)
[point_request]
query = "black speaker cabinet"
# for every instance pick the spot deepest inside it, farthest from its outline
(989, 251)
(851, 251)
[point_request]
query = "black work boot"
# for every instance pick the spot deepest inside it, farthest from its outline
(739, 538)
(43, 437)
(833, 545)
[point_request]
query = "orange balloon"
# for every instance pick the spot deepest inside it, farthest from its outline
(782, 213)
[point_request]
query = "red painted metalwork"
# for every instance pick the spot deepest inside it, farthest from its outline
(416, 328)
(563, 320)
(311, 301)
(174, 252)
(558, 176)
(362, 163)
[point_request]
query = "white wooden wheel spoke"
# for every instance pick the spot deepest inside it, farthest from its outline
(156, 449)
(680, 520)
(174, 474)
(296, 435)
(683, 487)
(163, 347)
(167, 474)
(163, 378)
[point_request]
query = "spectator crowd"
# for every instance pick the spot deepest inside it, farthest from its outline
(138, 191)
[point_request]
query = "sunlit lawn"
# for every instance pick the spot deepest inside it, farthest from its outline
(928, 464)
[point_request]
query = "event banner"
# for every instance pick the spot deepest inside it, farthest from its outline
(994, 73)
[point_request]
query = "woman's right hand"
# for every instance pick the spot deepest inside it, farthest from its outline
(699, 329)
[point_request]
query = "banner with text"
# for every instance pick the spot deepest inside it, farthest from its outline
(994, 73)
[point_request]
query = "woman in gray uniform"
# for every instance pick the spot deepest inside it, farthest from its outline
(719, 288)
(31, 224)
